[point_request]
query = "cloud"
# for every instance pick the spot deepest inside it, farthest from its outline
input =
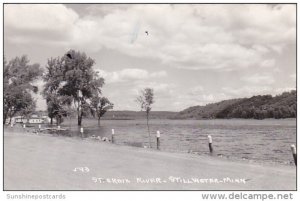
(246, 91)
(259, 79)
(158, 74)
(268, 63)
(201, 41)
(184, 101)
(218, 37)
(129, 74)
(283, 89)
(196, 90)
(163, 89)
(38, 22)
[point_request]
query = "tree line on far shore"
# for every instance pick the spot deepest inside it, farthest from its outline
(256, 107)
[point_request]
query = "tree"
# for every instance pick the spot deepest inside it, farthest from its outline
(18, 79)
(99, 106)
(72, 80)
(56, 103)
(146, 99)
(28, 110)
(56, 107)
(244, 114)
(81, 82)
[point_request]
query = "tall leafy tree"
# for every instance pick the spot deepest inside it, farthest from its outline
(99, 106)
(82, 82)
(18, 78)
(56, 104)
(74, 78)
(146, 99)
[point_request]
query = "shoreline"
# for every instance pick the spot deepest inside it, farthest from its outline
(126, 162)
(29, 131)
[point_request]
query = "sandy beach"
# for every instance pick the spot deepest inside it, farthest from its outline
(45, 162)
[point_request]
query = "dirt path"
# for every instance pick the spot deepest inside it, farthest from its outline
(45, 162)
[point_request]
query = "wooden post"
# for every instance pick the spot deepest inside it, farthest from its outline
(158, 140)
(58, 129)
(79, 93)
(81, 131)
(294, 152)
(112, 135)
(210, 143)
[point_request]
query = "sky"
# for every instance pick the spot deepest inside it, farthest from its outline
(192, 54)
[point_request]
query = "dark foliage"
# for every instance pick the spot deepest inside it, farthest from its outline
(19, 78)
(256, 107)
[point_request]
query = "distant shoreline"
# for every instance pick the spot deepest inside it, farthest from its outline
(171, 119)
(194, 118)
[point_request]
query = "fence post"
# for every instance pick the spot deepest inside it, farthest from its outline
(158, 140)
(81, 131)
(58, 129)
(294, 152)
(210, 143)
(112, 135)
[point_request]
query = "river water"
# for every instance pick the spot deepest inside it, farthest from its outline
(254, 140)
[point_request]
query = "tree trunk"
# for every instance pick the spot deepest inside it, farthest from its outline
(99, 121)
(79, 113)
(51, 120)
(79, 119)
(12, 114)
(5, 116)
(148, 130)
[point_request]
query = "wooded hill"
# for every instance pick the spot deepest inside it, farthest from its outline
(256, 107)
